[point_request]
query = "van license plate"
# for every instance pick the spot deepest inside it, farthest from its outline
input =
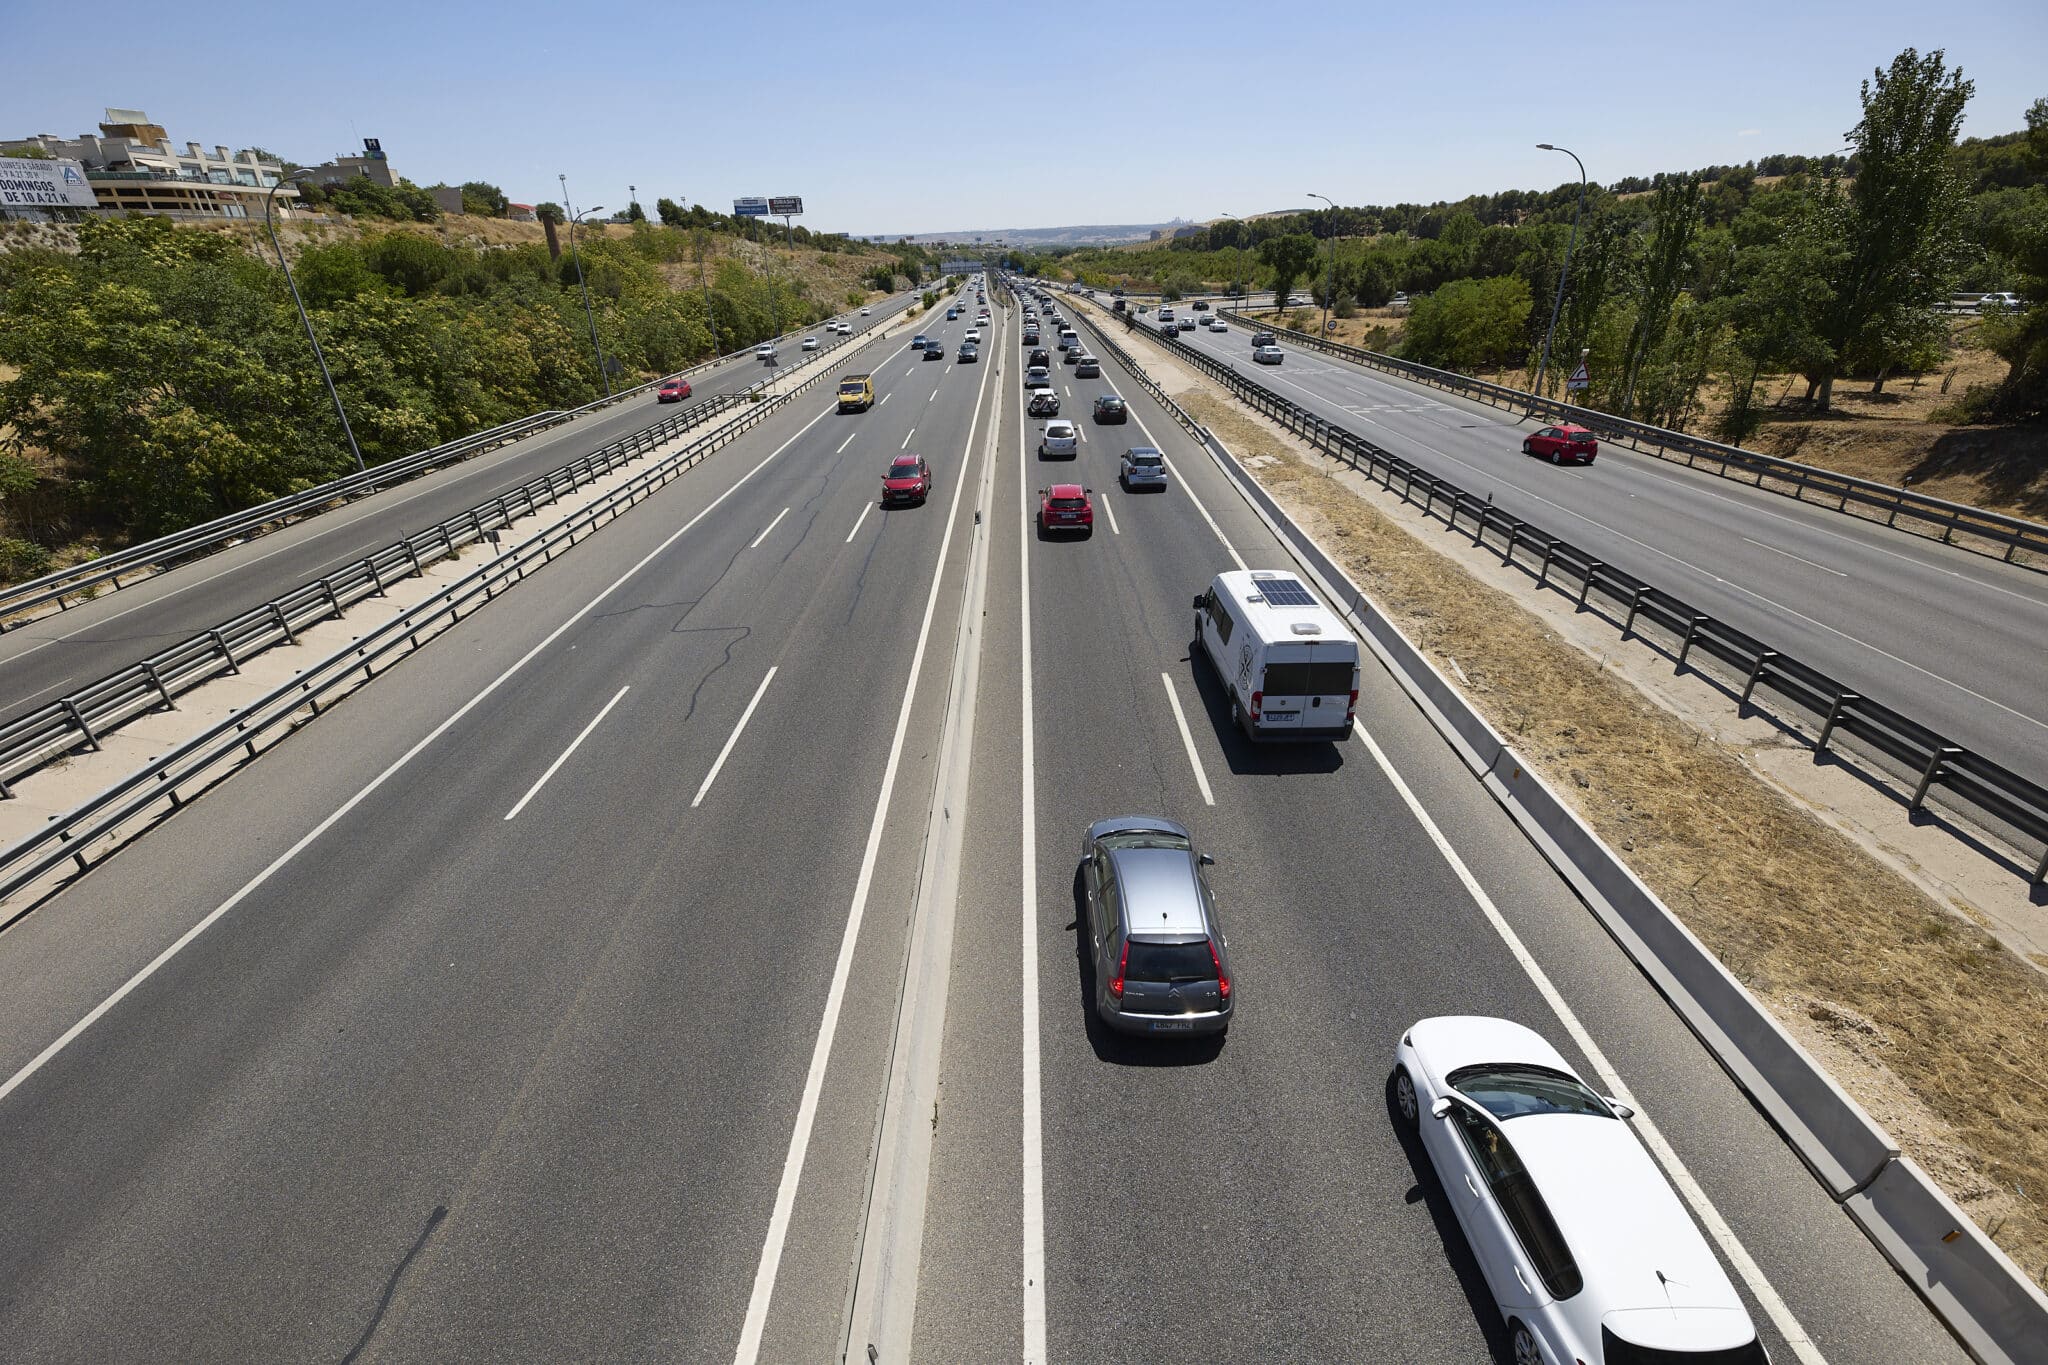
(1283, 717)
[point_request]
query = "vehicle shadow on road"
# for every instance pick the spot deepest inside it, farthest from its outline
(1429, 1191)
(1122, 1049)
(1284, 756)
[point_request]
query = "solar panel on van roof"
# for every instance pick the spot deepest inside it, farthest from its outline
(1285, 592)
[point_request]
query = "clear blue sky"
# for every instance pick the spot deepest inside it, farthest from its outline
(1006, 115)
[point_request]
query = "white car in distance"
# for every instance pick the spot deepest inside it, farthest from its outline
(1058, 438)
(1588, 1251)
(863, 312)
(810, 343)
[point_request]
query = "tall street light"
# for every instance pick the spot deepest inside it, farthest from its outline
(1564, 274)
(577, 261)
(1330, 265)
(318, 358)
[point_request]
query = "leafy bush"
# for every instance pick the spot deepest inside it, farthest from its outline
(22, 559)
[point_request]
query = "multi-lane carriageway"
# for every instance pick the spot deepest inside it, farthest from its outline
(536, 1003)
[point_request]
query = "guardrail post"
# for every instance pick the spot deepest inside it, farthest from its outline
(1835, 713)
(156, 681)
(333, 597)
(412, 553)
(220, 642)
(1692, 631)
(1586, 586)
(78, 718)
(1764, 660)
(376, 576)
(277, 615)
(1635, 604)
(1931, 774)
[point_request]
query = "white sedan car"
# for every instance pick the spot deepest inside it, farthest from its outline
(1589, 1254)
(1058, 439)
(765, 351)
(863, 312)
(810, 343)
(1218, 325)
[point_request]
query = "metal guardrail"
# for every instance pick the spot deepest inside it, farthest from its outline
(29, 741)
(1969, 528)
(135, 561)
(1962, 780)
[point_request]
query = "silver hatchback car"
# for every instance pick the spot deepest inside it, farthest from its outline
(1162, 964)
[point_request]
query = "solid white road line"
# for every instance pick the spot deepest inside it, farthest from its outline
(1034, 1149)
(865, 509)
(1188, 740)
(756, 1320)
(769, 527)
(1801, 558)
(731, 740)
(906, 438)
(845, 443)
(277, 864)
(885, 399)
(1109, 512)
(1689, 1188)
(574, 744)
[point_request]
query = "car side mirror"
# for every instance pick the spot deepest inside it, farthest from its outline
(1205, 860)
(1441, 1109)
(1621, 1111)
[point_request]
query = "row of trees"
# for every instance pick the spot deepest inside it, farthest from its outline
(1816, 267)
(159, 375)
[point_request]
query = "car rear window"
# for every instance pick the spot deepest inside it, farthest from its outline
(1151, 457)
(1615, 1351)
(1170, 961)
(1068, 504)
(1307, 679)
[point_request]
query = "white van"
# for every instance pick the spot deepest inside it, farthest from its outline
(1287, 661)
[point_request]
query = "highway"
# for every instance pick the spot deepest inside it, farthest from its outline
(536, 1003)
(63, 651)
(1950, 638)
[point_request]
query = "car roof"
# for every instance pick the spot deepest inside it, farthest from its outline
(1159, 890)
(1109, 398)
(1573, 426)
(1066, 490)
(906, 459)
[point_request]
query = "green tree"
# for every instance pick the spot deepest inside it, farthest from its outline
(671, 213)
(1287, 257)
(1902, 220)
(1674, 217)
(634, 213)
(28, 154)
(1470, 323)
(483, 199)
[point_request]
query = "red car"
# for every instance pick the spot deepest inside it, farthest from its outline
(1066, 507)
(909, 479)
(675, 391)
(1562, 443)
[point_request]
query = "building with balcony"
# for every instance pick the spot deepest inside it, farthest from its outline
(133, 166)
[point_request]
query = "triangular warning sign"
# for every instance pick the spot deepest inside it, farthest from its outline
(1579, 376)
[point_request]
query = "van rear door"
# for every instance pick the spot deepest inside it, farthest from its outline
(1308, 686)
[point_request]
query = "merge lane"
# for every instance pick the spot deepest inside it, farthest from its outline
(522, 1113)
(1930, 630)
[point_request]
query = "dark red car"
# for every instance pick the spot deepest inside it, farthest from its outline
(1561, 443)
(909, 480)
(675, 391)
(1066, 507)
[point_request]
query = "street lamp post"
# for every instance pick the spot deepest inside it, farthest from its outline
(1564, 274)
(632, 200)
(1330, 264)
(300, 303)
(603, 375)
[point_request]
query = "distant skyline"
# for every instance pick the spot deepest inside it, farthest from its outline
(1138, 113)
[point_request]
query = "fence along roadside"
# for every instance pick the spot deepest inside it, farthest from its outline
(1970, 528)
(1811, 704)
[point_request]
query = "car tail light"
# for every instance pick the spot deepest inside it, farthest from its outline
(1222, 981)
(1116, 985)
(1257, 699)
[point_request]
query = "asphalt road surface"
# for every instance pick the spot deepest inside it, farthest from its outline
(536, 1002)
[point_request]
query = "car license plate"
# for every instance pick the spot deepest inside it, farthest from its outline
(1170, 1025)
(1067, 516)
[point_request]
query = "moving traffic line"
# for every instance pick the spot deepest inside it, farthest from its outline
(574, 744)
(865, 509)
(1109, 512)
(906, 438)
(732, 738)
(1187, 740)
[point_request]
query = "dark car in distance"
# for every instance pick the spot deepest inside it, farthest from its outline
(1110, 408)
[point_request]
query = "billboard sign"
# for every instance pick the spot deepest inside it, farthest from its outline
(59, 184)
(751, 207)
(787, 206)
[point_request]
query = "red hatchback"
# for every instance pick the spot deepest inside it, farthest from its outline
(909, 479)
(675, 391)
(1066, 507)
(1561, 443)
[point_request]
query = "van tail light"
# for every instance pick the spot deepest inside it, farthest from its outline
(1222, 981)
(1352, 709)
(1257, 699)
(1116, 984)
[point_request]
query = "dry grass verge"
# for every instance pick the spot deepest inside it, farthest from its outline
(1928, 1022)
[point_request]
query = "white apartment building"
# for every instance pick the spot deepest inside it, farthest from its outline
(133, 166)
